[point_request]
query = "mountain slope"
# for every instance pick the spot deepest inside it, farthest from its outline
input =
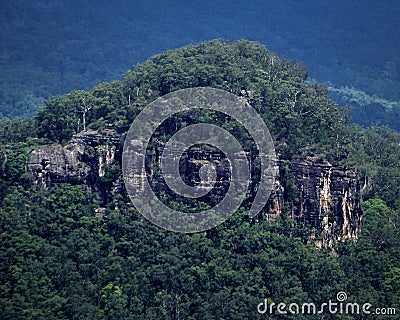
(78, 249)
(52, 47)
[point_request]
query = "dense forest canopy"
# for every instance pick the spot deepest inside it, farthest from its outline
(62, 259)
(52, 47)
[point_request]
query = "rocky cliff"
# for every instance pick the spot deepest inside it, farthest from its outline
(87, 159)
(313, 192)
(322, 196)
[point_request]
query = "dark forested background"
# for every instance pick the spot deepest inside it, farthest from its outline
(51, 47)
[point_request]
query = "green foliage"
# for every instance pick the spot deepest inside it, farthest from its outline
(380, 225)
(376, 153)
(298, 114)
(371, 264)
(51, 47)
(63, 259)
(120, 266)
(368, 110)
(59, 119)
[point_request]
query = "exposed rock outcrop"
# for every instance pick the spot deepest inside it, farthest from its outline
(313, 192)
(325, 198)
(87, 153)
(57, 164)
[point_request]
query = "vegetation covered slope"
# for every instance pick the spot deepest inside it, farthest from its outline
(62, 260)
(50, 47)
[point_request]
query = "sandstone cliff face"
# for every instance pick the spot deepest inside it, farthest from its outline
(56, 164)
(325, 198)
(86, 156)
(314, 193)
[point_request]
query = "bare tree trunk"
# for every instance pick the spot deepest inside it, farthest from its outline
(84, 109)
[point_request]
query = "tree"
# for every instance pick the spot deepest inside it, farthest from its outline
(84, 109)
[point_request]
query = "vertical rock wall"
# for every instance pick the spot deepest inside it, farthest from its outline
(326, 199)
(322, 196)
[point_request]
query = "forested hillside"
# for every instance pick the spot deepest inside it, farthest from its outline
(75, 248)
(52, 47)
